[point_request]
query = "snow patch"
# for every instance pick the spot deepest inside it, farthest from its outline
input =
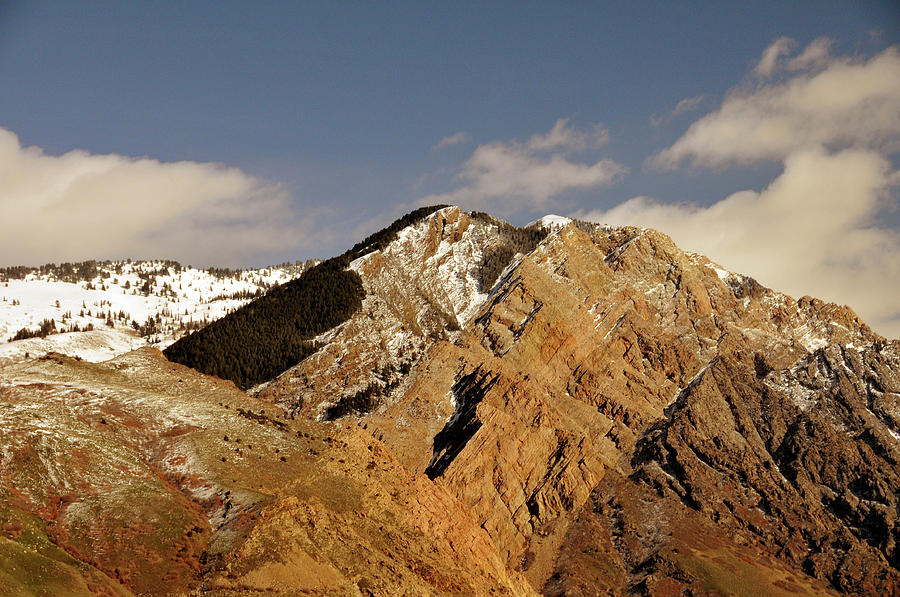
(786, 382)
(551, 221)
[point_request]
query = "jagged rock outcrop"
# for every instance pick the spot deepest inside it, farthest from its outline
(628, 540)
(806, 459)
(420, 288)
(593, 345)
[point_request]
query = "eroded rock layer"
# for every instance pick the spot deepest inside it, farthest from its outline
(614, 352)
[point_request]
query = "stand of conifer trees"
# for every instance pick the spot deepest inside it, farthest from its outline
(274, 332)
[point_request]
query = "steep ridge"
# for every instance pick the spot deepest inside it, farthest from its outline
(139, 476)
(815, 481)
(276, 331)
(423, 286)
(588, 352)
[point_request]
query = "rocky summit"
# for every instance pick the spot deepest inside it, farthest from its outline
(561, 409)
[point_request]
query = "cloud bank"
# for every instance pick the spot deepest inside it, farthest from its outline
(834, 102)
(531, 172)
(815, 55)
(816, 229)
(81, 206)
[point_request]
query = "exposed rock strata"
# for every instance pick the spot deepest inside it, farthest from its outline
(423, 287)
(598, 343)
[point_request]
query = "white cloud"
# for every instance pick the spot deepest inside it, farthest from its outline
(454, 139)
(80, 206)
(687, 104)
(562, 136)
(771, 56)
(843, 102)
(534, 171)
(817, 228)
(813, 230)
(816, 54)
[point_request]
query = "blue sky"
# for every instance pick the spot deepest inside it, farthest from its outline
(324, 117)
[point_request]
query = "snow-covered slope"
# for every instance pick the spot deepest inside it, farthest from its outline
(125, 305)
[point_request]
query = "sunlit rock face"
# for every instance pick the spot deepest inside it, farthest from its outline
(424, 286)
(611, 351)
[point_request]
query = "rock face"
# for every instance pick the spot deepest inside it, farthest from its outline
(612, 352)
(423, 287)
(574, 410)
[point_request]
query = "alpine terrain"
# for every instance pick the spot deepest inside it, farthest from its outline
(454, 406)
(100, 309)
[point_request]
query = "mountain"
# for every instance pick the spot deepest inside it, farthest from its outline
(562, 409)
(277, 331)
(100, 309)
